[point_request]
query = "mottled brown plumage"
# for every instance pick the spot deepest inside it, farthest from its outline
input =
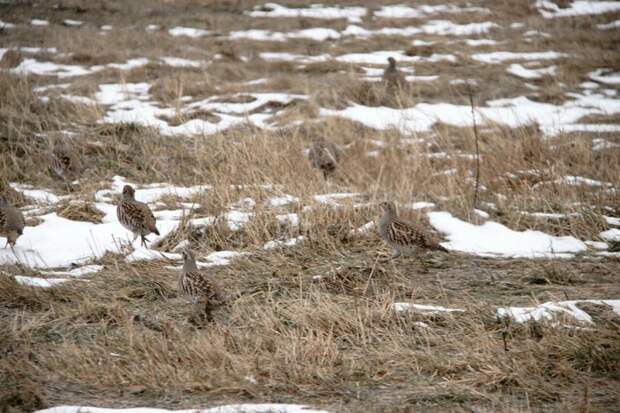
(197, 285)
(135, 216)
(392, 77)
(12, 222)
(404, 237)
(324, 156)
(65, 162)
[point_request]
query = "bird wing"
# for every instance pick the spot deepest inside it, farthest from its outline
(198, 285)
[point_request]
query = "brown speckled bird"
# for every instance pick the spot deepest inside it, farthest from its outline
(324, 156)
(65, 162)
(404, 237)
(135, 216)
(12, 222)
(197, 285)
(394, 78)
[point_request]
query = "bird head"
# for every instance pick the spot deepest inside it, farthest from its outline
(391, 61)
(128, 192)
(388, 207)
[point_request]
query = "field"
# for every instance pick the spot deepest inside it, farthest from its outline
(504, 144)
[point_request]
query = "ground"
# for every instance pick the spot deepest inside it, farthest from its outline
(504, 145)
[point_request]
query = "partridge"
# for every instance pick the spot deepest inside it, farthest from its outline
(392, 77)
(404, 237)
(65, 162)
(12, 222)
(196, 284)
(324, 155)
(135, 216)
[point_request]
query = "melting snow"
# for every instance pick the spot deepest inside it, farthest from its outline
(428, 309)
(39, 22)
(607, 26)
(408, 12)
(611, 235)
(547, 311)
(6, 25)
(549, 9)
(514, 112)
(231, 408)
(188, 31)
(39, 282)
(318, 11)
(493, 239)
(286, 243)
(605, 76)
(180, 62)
(73, 23)
(525, 73)
(499, 57)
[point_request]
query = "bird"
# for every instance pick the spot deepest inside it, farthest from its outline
(392, 77)
(196, 284)
(324, 155)
(64, 161)
(404, 237)
(12, 222)
(135, 216)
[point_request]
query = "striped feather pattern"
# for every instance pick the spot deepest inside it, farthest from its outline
(65, 162)
(402, 235)
(324, 156)
(136, 216)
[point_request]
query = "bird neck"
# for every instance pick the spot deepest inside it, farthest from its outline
(388, 216)
(190, 265)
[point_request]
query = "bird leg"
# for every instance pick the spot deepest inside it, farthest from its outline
(143, 240)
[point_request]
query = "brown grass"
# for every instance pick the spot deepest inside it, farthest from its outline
(310, 324)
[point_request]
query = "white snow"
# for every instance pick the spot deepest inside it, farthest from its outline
(39, 22)
(319, 34)
(283, 200)
(39, 195)
(330, 199)
(550, 10)
(380, 57)
(188, 31)
(39, 282)
(73, 23)
(77, 272)
(611, 234)
(421, 11)
(284, 243)
(480, 42)
(549, 310)
(33, 66)
(318, 11)
(444, 27)
(152, 27)
(424, 308)
(231, 408)
(494, 239)
(605, 76)
(106, 27)
(284, 56)
(525, 73)
(180, 62)
(611, 25)
(514, 112)
(499, 57)
(367, 227)
(130, 64)
(6, 25)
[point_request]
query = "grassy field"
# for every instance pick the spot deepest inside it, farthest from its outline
(312, 323)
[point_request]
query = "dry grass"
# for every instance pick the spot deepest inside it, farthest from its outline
(311, 324)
